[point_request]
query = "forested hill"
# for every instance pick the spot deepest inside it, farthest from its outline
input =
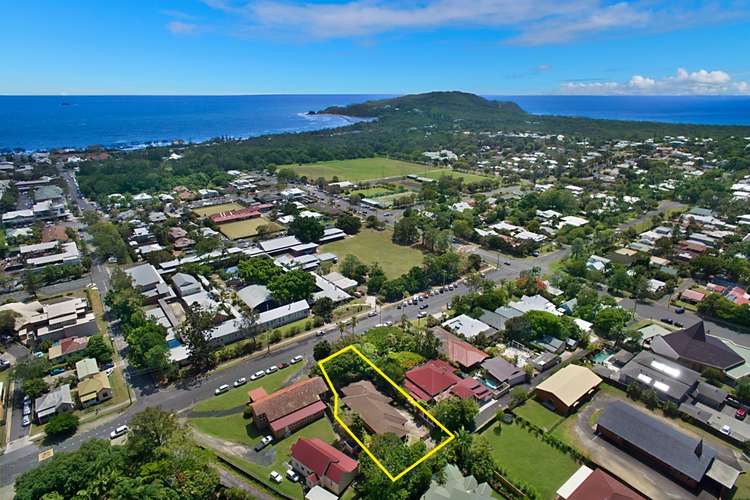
(404, 127)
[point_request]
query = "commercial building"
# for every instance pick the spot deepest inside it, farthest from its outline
(694, 348)
(280, 316)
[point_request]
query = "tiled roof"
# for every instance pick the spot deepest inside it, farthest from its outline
(323, 459)
(469, 387)
(290, 399)
(600, 485)
(430, 379)
(458, 351)
(373, 408)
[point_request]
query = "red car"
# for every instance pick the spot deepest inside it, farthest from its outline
(740, 414)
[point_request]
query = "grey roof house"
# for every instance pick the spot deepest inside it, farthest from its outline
(53, 402)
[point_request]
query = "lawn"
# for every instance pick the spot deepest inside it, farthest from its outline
(215, 209)
(437, 174)
(246, 228)
(537, 414)
(360, 169)
(529, 459)
(371, 246)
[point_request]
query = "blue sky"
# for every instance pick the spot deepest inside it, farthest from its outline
(375, 46)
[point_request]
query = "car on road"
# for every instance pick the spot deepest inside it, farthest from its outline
(535, 253)
(26, 410)
(26, 421)
(271, 369)
(740, 414)
(667, 321)
(389, 323)
(296, 359)
(221, 389)
(292, 476)
(257, 375)
(120, 431)
(265, 441)
(726, 430)
(422, 314)
(372, 314)
(240, 381)
(320, 333)
(680, 310)
(507, 262)
(399, 306)
(275, 477)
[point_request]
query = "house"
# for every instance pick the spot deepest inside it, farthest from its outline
(149, 282)
(686, 460)
(588, 484)
(459, 352)
(320, 493)
(471, 388)
(94, 390)
(53, 322)
(279, 245)
(374, 408)
(672, 382)
(550, 344)
(290, 408)
(567, 388)
(292, 193)
(545, 360)
(692, 296)
(65, 347)
(457, 487)
(320, 464)
(467, 326)
(694, 348)
(186, 284)
(58, 400)
(504, 372)
(655, 286)
(50, 253)
(86, 368)
(429, 380)
(533, 303)
(597, 263)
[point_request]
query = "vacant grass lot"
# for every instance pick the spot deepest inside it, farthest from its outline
(215, 209)
(529, 459)
(437, 174)
(246, 228)
(371, 246)
(360, 169)
(537, 414)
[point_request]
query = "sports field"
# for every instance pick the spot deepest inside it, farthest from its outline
(360, 169)
(371, 246)
(437, 174)
(246, 228)
(215, 209)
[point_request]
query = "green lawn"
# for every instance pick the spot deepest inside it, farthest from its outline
(371, 246)
(537, 414)
(319, 429)
(529, 459)
(247, 228)
(437, 174)
(360, 169)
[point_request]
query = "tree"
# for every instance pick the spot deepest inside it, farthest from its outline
(34, 387)
(405, 231)
(32, 368)
(323, 307)
(474, 262)
(108, 241)
(196, 332)
(348, 223)
(518, 395)
(147, 347)
(150, 431)
(713, 376)
(321, 350)
(98, 349)
(258, 270)
(306, 229)
(742, 389)
(376, 278)
(292, 286)
(395, 455)
(61, 424)
(456, 413)
(610, 322)
(8, 322)
(353, 268)
(519, 329)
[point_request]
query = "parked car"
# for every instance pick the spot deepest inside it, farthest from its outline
(56, 371)
(271, 369)
(372, 314)
(292, 476)
(399, 306)
(27, 410)
(257, 375)
(726, 430)
(296, 359)
(240, 381)
(120, 431)
(424, 306)
(26, 421)
(283, 365)
(389, 323)
(740, 414)
(667, 321)
(276, 477)
(221, 389)
(680, 310)
(320, 333)
(422, 314)
(263, 443)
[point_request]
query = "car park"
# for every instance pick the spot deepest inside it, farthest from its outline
(240, 381)
(257, 375)
(296, 359)
(221, 389)
(120, 431)
(271, 369)
(275, 477)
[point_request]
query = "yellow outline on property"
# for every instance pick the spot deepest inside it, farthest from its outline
(380, 372)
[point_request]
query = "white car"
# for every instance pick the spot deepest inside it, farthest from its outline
(26, 421)
(276, 477)
(292, 476)
(221, 389)
(389, 323)
(240, 381)
(120, 431)
(372, 314)
(26, 410)
(257, 375)
(725, 429)
(422, 314)
(271, 369)
(296, 359)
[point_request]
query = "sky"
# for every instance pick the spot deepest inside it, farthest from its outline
(489, 47)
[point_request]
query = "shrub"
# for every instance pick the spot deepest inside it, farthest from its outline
(61, 424)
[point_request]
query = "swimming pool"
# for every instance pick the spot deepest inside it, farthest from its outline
(172, 343)
(602, 356)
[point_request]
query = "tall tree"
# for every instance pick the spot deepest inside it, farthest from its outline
(196, 332)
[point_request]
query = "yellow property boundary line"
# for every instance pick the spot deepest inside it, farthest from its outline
(411, 400)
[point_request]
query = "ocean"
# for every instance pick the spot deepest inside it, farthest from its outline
(45, 122)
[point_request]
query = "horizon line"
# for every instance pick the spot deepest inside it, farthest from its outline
(290, 94)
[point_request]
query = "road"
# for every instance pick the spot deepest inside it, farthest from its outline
(664, 205)
(69, 178)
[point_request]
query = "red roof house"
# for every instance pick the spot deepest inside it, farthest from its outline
(471, 388)
(322, 464)
(457, 351)
(290, 408)
(586, 484)
(429, 380)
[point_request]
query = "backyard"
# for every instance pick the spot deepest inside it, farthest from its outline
(372, 246)
(246, 228)
(360, 169)
(527, 458)
(215, 209)
(537, 414)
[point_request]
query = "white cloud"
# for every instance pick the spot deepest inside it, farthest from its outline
(682, 82)
(528, 22)
(183, 28)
